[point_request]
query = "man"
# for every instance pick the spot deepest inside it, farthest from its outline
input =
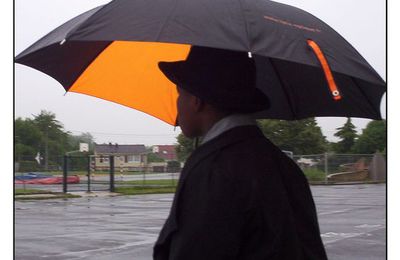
(239, 196)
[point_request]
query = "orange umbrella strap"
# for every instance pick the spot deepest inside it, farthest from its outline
(327, 71)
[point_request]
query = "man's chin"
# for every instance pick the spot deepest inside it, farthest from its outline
(189, 134)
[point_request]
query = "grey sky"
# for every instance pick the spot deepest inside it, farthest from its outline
(362, 23)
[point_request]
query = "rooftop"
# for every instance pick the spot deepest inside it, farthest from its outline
(119, 148)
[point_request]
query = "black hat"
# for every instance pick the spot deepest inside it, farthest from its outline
(223, 78)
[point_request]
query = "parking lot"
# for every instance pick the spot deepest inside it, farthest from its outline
(352, 220)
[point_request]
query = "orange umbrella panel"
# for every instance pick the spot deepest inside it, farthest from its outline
(127, 73)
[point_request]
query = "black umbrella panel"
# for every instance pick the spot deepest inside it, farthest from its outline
(304, 66)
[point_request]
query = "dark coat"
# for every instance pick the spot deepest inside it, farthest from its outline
(239, 197)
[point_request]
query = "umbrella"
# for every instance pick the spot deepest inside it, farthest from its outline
(305, 67)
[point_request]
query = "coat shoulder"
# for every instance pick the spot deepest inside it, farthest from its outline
(250, 156)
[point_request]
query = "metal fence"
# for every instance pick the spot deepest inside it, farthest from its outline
(339, 168)
(92, 173)
(109, 173)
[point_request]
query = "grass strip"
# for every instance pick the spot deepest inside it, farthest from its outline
(30, 191)
(145, 190)
(150, 182)
(314, 174)
(50, 196)
(31, 194)
(84, 173)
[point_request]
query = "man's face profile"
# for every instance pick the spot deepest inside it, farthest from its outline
(187, 111)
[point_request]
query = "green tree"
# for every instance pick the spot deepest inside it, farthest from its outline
(184, 147)
(27, 139)
(347, 135)
(372, 139)
(300, 137)
(46, 135)
(54, 139)
(152, 157)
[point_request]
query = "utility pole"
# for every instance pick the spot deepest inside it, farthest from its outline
(326, 167)
(46, 150)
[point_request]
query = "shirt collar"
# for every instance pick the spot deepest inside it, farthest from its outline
(226, 124)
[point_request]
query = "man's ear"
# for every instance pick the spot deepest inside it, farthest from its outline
(198, 104)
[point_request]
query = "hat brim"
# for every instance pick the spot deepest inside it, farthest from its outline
(172, 70)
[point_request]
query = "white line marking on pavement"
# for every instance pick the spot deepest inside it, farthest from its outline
(335, 212)
(340, 236)
(368, 226)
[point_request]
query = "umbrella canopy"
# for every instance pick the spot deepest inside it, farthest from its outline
(304, 66)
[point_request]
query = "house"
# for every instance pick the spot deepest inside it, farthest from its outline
(126, 157)
(166, 152)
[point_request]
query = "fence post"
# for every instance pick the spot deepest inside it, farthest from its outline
(112, 187)
(65, 173)
(88, 173)
(326, 167)
(24, 184)
(144, 176)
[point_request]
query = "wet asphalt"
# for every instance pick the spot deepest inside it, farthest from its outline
(352, 220)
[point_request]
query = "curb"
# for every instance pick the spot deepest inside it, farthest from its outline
(345, 183)
(43, 196)
(95, 194)
(80, 194)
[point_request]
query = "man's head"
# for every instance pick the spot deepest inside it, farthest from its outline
(211, 84)
(195, 116)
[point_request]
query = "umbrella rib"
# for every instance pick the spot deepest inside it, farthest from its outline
(77, 26)
(245, 26)
(288, 98)
(166, 20)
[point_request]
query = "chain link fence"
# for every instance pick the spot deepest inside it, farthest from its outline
(110, 173)
(38, 174)
(342, 168)
(92, 173)
(38, 163)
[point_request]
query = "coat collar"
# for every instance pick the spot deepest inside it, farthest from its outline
(230, 137)
(227, 123)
